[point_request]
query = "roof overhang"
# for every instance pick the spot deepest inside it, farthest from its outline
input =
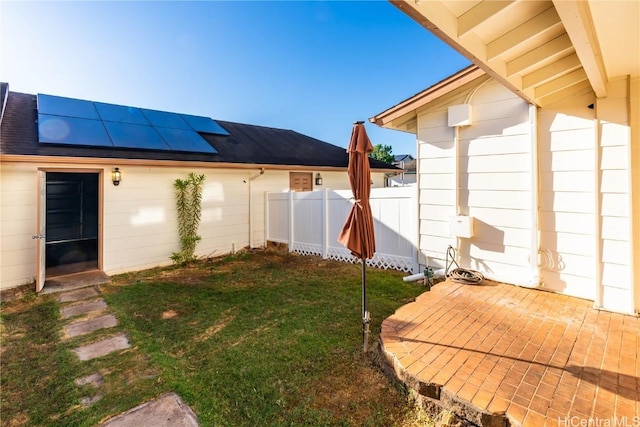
(544, 50)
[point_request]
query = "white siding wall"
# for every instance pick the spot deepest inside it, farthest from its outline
(495, 182)
(584, 190)
(585, 203)
(614, 146)
(139, 222)
(567, 201)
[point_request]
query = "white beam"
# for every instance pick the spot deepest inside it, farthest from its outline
(577, 20)
(541, 23)
(479, 14)
(560, 83)
(551, 51)
(551, 71)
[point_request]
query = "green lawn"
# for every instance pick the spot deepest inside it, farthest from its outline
(261, 338)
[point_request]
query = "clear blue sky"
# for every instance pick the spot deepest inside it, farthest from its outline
(314, 67)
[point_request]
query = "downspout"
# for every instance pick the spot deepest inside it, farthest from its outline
(535, 198)
(251, 206)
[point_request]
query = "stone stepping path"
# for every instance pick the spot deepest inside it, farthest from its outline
(166, 411)
(84, 302)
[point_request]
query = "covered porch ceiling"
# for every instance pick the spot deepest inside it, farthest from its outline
(543, 50)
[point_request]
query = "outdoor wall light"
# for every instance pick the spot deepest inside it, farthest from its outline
(318, 179)
(116, 176)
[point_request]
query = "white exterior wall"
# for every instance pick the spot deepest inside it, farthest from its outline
(567, 201)
(617, 291)
(139, 217)
(586, 199)
(584, 191)
(495, 183)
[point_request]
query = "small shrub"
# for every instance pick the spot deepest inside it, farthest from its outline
(188, 194)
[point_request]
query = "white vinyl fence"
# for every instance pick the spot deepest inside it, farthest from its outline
(309, 222)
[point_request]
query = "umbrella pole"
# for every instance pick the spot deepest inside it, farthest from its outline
(365, 313)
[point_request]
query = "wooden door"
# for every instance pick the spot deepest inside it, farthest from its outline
(41, 229)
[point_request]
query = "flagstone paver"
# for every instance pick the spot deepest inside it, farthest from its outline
(166, 411)
(497, 353)
(95, 380)
(102, 347)
(77, 295)
(84, 327)
(82, 308)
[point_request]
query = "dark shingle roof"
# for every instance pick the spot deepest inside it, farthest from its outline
(248, 144)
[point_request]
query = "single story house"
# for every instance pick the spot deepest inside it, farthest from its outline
(63, 209)
(529, 159)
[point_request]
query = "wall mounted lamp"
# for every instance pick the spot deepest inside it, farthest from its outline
(116, 176)
(318, 179)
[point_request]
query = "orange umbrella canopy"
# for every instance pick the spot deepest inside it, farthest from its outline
(357, 234)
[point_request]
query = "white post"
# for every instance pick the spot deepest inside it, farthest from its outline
(290, 221)
(325, 223)
(266, 219)
(535, 189)
(597, 188)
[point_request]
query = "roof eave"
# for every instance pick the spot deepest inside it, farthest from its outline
(402, 113)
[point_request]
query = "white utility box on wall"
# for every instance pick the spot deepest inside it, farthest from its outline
(459, 115)
(461, 226)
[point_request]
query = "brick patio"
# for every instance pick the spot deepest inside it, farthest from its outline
(498, 354)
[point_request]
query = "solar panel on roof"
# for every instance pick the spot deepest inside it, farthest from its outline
(185, 140)
(121, 114)
(127, 135)
(204, 124)
(165, 119)
(78, 122)
(68, 107)
(71, 130)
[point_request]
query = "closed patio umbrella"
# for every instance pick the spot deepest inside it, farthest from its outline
(357, 234)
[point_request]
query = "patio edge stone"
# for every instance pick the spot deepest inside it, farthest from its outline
(434, 398)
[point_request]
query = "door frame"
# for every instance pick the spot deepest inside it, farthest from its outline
(41, 203)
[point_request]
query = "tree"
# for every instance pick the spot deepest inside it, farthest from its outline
(382, 153)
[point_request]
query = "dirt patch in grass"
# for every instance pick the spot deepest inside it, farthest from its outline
(225, 318)
(169, 314)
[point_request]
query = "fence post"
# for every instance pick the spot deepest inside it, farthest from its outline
(325, 223)
(266, 219)
(290, 221)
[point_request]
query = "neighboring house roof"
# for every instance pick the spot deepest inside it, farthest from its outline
(402, 158)
(542, 50)
(245, 144)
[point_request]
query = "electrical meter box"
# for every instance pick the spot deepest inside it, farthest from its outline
(461, 226)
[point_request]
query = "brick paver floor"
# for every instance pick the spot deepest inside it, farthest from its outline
(501, 354)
